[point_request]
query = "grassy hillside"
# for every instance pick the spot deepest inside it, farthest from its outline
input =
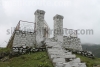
(38, 59)
(94, 48)
(88, 61)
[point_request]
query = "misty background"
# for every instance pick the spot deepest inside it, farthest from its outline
(78, 14)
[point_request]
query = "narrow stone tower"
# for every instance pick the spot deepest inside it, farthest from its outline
(58, 28)
(39, 24)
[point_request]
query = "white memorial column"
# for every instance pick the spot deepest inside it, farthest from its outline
(39, 21)
(58, 28)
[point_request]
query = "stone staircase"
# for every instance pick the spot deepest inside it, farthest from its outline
(61, 57)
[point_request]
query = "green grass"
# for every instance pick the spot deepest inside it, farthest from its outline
(38, 59)
(89, 62)
(4, 50)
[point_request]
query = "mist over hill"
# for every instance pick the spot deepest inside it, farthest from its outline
(95, 48)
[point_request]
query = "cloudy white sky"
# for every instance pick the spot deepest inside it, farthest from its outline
(78, 14)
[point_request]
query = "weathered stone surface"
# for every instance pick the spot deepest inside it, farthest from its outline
(67, 65)
(27, 40)
(60, 57)
(72, 43)
(55, 60)
(58, 28)
(55, 46)
(59, 64)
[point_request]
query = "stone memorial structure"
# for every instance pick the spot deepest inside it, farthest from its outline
(55, 46)
(58, 28)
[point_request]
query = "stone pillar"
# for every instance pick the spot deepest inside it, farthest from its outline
(58, 28)
(39, 21)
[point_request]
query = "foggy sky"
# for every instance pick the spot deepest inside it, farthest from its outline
(78, 14)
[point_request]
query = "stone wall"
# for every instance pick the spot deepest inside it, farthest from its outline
(23, 38)
(72, 43)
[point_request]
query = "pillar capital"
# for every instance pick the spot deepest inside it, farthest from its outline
(39, 12)
(58, 17)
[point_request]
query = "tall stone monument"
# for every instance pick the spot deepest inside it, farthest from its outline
(39, 22)
(58, 28)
